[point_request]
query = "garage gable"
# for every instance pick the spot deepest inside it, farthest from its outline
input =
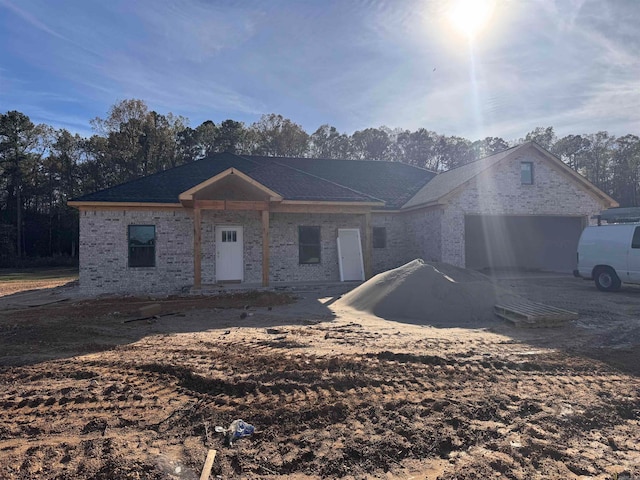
(525, 209)
(525, 169)
(528, 182)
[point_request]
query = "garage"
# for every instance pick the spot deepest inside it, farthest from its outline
(529, 242)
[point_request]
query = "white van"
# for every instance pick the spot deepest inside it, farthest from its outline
(610, 255)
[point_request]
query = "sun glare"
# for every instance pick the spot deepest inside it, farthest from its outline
(469, 17)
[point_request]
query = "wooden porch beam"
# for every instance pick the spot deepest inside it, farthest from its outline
(231, 205)
(288, 208)
(245, 205)
(368, 246)
(197, 248)
(265, 248)
(209, 204)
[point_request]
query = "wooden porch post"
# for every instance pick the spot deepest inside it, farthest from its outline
(368, 247)
(265, 248)
(197, 247)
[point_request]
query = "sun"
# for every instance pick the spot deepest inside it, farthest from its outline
(469, 17)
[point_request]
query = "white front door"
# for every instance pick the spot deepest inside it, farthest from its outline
(350, 254)
(229, 253)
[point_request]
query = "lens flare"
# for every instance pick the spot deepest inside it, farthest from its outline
(470, 17)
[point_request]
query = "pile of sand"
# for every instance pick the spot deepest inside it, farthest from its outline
(426, 293)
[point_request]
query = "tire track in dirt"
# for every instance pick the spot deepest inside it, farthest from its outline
(332, 416)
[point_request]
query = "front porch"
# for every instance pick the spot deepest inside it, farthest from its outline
(268, 231)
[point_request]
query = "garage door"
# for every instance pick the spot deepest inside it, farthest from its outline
(522, 242)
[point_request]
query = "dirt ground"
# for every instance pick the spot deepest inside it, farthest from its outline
(332, 393)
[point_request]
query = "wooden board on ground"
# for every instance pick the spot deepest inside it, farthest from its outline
(534, 315)
(206, 470)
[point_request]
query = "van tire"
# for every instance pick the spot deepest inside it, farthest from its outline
(606, 279)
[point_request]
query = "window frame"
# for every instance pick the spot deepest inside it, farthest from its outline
(140, 247)
(382, 244)
(530, 182)
(635, 238)
(305, 245)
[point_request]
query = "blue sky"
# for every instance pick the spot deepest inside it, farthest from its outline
(572, 64)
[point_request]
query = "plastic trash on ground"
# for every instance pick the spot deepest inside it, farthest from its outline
(238, 429)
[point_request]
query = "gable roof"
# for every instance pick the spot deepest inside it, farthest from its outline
(445, 182)
(166, 186)
(189, 194)
(391, 183)
(448, 182)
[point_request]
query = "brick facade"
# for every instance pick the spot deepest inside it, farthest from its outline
(104, 248)
(500, 192)
(397, 249)
(104, 251)
(434, 234)
(424, 233)
(283, 259)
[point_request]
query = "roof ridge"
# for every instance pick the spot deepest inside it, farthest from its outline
(484, 167)
(328, 181)
(245, 157)
(483, 158)
(345, 160)
(160, 172)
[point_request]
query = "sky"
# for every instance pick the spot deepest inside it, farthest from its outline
(352, 64)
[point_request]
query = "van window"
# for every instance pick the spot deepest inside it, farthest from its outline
(635, 242)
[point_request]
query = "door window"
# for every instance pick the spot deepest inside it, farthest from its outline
(229, 236)
(635, 242)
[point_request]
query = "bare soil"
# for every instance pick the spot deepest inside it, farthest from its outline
(332, 392)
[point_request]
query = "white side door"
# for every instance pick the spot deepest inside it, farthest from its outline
(350, 255)
(229, 253)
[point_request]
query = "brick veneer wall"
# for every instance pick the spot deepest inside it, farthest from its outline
(396, 252)
(283, 259)
(104, 251)
(433, 234)
(500, 192)
(424, 234)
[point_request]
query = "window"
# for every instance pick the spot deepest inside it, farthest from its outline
(526, 173)
(635, 242)
(142, 245)
(309, 244)
(229, 236)
(379, 237)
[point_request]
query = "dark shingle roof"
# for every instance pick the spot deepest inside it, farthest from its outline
(392, 182)
(294, 184)
(166, 186)
(293, 178)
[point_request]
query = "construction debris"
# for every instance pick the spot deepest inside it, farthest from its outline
(534, 315)
(208, 464)
(150, 310)
(152, 317)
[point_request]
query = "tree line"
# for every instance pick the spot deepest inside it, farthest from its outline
(42, 167)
